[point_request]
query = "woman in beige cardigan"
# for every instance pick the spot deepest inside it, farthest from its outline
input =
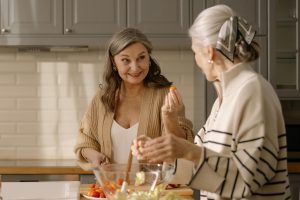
(134, 100)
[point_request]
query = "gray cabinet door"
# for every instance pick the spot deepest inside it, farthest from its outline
(255, 11)
(31, 16)
(159, 17)
(94, 16)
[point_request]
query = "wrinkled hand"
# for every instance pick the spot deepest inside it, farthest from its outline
(165, 148)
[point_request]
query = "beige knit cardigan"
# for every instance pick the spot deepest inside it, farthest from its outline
(95, 126)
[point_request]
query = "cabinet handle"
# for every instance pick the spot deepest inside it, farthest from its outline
(68, 30)
(4, 30)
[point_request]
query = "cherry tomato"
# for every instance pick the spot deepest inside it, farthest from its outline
(120, 181)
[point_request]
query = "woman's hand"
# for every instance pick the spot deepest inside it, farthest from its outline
(171, 109)
(165, 148)
(94, 157)
(173, 105)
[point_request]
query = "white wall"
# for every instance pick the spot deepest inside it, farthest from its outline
(44, 95)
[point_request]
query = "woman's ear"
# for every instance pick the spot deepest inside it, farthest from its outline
(211, 53)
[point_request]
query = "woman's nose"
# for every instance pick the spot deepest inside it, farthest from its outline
(134, 66)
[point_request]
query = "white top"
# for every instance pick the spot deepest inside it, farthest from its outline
(121, 141)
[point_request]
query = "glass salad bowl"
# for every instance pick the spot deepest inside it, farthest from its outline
(120, 181)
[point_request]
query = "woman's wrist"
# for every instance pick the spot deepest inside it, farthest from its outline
(193, 154)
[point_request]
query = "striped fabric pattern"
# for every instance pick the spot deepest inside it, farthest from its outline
(244, 146)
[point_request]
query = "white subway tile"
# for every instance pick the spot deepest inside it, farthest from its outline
(7, 104)
(58, 91)
(166, 55)
(65, 152)
(78, 79)
(7, 153)
(69, 128)
(17, 66)
(37, 79)
(17, 140)
(7, 128)
(55, 66)
(79, 56)
(41, 128)
(75, 103)
(91, 67)
(56, 116)
(40, 152)
(7, 79)
(18, 91)
(87, 91)
(34, 104)
(16, 116)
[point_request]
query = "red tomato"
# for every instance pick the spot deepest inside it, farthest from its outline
(93, 185)
(120, 181)
(102, 195)
(95, 194)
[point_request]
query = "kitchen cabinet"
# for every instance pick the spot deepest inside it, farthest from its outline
(159, 17)
(31, 17)
(92, 22)
(284, 48)
(62, 16)
(60, 22)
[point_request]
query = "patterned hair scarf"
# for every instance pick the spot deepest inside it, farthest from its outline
(229, 32)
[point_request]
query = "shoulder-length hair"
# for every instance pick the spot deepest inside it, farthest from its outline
(112, 80)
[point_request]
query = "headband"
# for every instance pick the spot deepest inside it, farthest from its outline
(229, 33)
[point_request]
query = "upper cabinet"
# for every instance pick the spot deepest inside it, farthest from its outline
(284, 41)
(94, 17)
(92, 22)
(31, 17)
(159, 17)
(60, 22)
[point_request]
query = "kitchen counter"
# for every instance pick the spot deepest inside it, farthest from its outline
(41, 167)
(66, 167)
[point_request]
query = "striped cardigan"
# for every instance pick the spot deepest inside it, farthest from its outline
(95, 126)
(244, 152)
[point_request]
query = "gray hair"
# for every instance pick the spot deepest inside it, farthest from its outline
(207, 26)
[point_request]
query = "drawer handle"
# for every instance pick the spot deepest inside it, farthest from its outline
(68, 30)
(4, 30)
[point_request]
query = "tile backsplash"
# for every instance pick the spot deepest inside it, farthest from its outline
(43, 96)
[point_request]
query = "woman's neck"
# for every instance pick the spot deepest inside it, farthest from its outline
(131, 91)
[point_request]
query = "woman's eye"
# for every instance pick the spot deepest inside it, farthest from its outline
(125, 61)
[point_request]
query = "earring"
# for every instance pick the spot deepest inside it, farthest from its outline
(114, 68)
(210, 61)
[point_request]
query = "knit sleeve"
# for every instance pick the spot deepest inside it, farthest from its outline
(87, 135)
(187, 126)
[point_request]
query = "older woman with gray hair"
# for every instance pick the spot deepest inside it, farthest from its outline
(240, 152)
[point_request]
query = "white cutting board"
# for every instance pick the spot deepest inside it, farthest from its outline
(46, 190)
